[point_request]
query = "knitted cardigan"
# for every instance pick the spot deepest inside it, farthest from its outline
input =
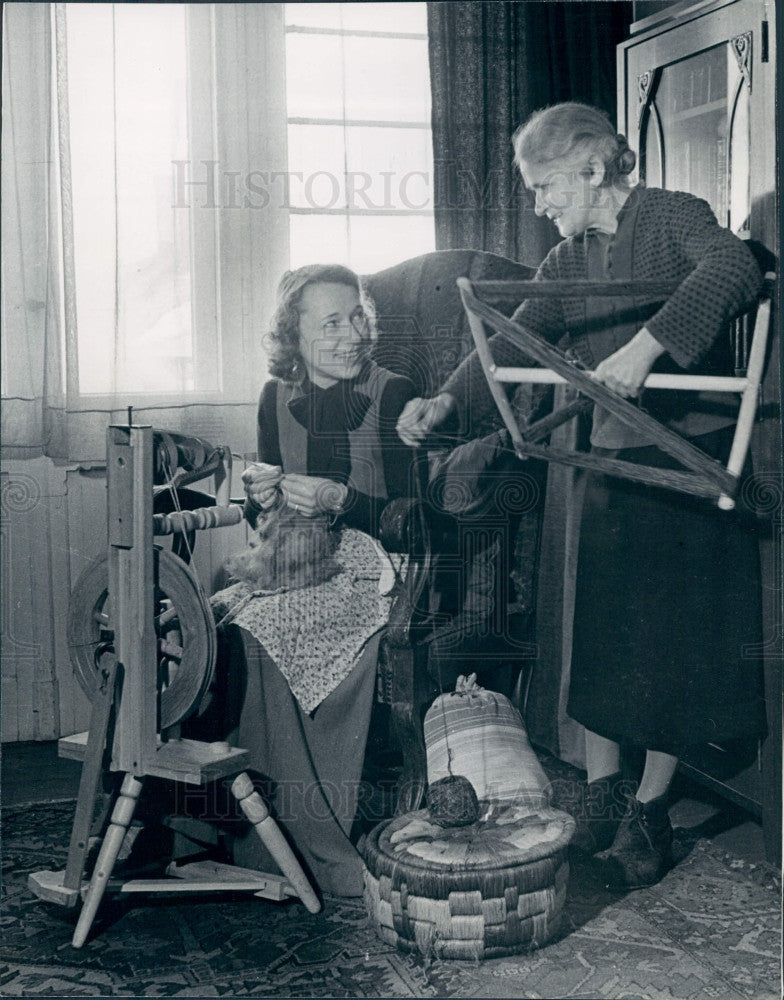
(677, 239)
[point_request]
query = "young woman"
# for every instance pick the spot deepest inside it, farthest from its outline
(328, 449)
(667, 586)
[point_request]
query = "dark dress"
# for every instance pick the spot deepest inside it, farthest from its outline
(668, 592)
(667, 614)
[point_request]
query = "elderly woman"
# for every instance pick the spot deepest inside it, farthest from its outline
(667, 592)
(327, 451)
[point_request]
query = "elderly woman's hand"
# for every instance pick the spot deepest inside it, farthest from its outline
(420, 416)
(625, 371)
(312, 495)
(261, 482)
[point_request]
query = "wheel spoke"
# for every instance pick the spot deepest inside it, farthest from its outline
(185, 634)
(170, 649)
(165, 617)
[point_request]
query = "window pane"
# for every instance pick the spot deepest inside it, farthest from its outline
(317, 164)
(359, 16)
(365, 243)
(389, 168)
(381, 168)
(92, 185)
(387, 79)
(314, 15)
(693, 96)
(319, 239)
(651, 161)
(364, 168)
(385, 16)
(156, 344)
(740, 163)
(314, 76)
(381, 242)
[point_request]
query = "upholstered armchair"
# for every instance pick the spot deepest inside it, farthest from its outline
(469, 600)
(434, 632)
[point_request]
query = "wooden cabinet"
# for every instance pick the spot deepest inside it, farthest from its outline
(697, 99)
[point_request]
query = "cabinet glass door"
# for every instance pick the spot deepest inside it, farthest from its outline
(694, 132)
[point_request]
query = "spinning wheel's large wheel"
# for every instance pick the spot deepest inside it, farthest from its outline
(183, 624)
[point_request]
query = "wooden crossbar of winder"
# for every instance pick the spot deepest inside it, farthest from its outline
(705, 476)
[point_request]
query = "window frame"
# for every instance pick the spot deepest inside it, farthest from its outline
(347, 212)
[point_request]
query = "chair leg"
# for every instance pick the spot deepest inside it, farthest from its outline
(411, 690)
(519, 695)
(412, 783)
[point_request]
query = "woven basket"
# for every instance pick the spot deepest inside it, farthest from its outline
(493, 888)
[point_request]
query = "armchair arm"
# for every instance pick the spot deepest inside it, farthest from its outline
(404, 528)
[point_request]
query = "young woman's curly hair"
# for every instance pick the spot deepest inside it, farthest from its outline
(285, 358)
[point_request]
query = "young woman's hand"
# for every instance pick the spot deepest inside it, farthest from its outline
(261, 483)
(420, 416)
(312, 495)
(625, 371)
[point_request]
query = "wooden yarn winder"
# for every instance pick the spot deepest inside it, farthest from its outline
(150, 674)
(705, 476)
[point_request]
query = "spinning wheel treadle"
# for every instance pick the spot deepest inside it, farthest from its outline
(184, 627)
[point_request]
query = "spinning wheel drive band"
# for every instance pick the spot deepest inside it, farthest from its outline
(184, 627)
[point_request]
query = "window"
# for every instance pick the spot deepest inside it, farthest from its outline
(359, 141)
(178, 126)
(169, 117)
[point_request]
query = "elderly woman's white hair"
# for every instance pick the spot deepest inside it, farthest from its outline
(571, 129)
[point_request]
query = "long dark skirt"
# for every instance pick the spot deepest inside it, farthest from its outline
(667, 615)
(312, 764)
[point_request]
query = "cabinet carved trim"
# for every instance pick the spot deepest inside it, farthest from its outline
(741, 46)
(644, 88)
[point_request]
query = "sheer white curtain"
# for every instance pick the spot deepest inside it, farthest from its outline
(143, 231)
(29, 275)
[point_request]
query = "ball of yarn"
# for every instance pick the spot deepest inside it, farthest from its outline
(452, 801)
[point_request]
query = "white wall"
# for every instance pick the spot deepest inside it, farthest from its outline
(53, 525)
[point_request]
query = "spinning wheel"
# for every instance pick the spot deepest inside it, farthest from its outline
(184, 628)
(143, 646)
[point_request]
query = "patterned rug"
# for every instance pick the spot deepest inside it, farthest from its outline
(711, 928)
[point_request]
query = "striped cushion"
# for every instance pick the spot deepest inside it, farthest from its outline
(480, 735)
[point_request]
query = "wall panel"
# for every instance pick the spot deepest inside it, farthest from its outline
(54, 525)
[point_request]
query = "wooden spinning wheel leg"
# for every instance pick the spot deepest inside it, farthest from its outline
(268, 830)
(122, 814)
(103, 699)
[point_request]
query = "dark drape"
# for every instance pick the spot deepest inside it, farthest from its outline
(491, 65)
